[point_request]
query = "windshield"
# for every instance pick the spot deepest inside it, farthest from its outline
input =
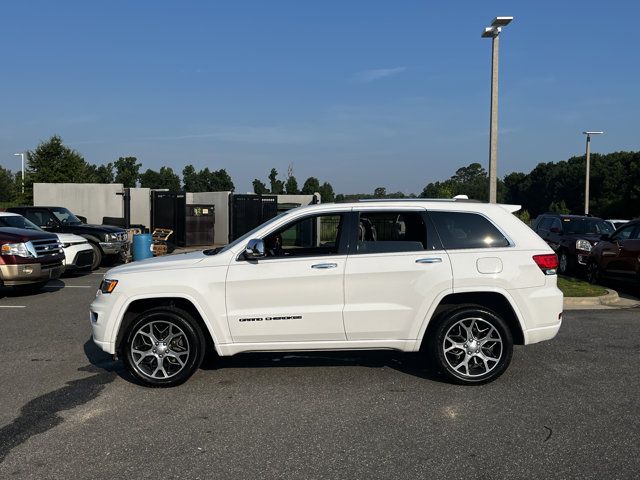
(65, 217)
(586, 226)
(18, 221)
(246, 236)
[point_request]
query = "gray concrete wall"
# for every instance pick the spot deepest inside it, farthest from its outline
(221, 202)
(91, 200)
(300, 199)
(141, 206)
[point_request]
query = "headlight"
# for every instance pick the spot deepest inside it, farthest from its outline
(108, 286)
(16, 249)
(110, 237)
(583, 245)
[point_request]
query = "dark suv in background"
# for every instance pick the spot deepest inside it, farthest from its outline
(617, 255)
(107, 241)
(572, 237)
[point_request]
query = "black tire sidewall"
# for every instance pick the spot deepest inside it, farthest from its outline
(448, 320)
(97, 256)
(194, 335)
(593, 273)
(567, 263)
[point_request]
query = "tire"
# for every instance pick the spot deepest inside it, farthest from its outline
(563, 263)
(163, 347)
(593, 273)
(97, 256)
(480, 361)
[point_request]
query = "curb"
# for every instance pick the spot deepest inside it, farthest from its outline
(609, 299)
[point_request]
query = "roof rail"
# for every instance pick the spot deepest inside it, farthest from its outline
(459, 200)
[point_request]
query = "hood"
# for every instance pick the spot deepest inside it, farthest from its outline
(89, 229)
(166, 262)
(17, 235)
(71, 238)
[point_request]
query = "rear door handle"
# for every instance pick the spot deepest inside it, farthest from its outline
(429, 260)
(324, 266)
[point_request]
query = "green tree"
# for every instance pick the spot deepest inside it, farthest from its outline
(218, 180)
(165, 178)
(54, 162)
(206, 180)
(380, 192)
(127, 171)
(259, 187)
(326, 193)
(277, 186)
(7, 185)
(311, 186)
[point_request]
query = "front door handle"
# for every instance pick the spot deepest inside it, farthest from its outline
(429, 260)
(324, 266)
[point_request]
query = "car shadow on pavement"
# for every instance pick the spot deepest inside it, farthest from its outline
(413, 364)
(409, 363)
(30, 291)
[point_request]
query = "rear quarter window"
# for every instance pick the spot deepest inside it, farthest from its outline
(460, 230)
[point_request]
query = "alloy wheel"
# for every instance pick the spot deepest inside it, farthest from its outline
(160, 349)
(472, 347)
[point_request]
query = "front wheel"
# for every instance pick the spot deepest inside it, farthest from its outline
(563, 263)
(97, 256)
(471, 346)
(163, 347)
(593, 273)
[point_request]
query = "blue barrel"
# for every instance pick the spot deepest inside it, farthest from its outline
(142, 246)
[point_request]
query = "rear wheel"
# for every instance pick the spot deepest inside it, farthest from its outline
(97, 256)
(471, 346)
(163, 347)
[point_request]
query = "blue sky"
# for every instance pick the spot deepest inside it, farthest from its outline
(358, 93)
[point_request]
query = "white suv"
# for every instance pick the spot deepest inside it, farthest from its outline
(461, 281)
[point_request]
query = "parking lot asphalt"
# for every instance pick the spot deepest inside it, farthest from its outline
(567, 408)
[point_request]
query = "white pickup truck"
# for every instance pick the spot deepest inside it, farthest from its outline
(461, 281)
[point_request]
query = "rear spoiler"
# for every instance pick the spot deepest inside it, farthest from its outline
(511, 208)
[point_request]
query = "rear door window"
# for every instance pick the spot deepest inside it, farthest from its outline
(459, 230)
(391, 231)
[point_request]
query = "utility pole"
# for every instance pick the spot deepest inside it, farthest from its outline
(22, 158)
(493, 32)
(588, 167)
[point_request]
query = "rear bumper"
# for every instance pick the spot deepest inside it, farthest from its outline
(26, 273)
(540, 310)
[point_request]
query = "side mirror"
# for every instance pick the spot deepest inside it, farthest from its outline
(254, 249)
(605, 237)
(82, 219)
(556, 230)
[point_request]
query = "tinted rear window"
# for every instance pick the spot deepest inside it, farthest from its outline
(467, 230)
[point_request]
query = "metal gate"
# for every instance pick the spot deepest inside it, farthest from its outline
(168, 211)
(249, 211)
(201, 221)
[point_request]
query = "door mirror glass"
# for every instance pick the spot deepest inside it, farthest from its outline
(254, 249)
(555, 230)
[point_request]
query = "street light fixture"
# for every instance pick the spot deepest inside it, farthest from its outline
(22, 157)
(493, 32)
(586, 181)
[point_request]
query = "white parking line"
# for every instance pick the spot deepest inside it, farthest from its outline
(13, 306)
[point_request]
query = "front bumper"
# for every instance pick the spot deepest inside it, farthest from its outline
(78, 257)
(103, 316)
(27, 273)
(113, 248)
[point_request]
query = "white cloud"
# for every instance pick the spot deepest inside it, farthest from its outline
(368, 76)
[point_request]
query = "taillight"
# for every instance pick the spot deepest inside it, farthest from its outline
(548, 263)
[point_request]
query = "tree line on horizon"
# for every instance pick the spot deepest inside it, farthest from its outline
(550, 186)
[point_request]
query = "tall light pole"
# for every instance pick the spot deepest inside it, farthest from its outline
(22, 157)
(586, 180)
(493, 32)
